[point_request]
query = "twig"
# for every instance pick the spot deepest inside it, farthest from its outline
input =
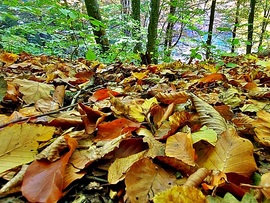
(36, 116)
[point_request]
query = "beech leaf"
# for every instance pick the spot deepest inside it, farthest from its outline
(19, 143)
(232, 154)
(145, 179)
(33, 91)
(43, 180)
(180, 194)
(209, 116)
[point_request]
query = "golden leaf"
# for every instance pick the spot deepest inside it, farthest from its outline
(232, 154)
(173, 97)
(262, 128)
(179, 146)
(180, 194)
(19, 143)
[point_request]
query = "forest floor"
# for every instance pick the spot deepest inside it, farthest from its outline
(81, 131)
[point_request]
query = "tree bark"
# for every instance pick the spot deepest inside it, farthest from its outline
(151, 47)
(236, 24)
(210, 29)
(99, 32)
(136, 15)
(266, 16)
(250, 26)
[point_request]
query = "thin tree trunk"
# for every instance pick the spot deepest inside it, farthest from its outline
(169, 31)
(266, 16)
(250, 26)
(99, 32)
(210, 29)
(136, 15)
(236, 24)
(151, 47)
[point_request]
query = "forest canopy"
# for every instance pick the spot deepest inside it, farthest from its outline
(135, 31)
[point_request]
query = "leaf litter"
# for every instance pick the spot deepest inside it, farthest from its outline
(74, 131)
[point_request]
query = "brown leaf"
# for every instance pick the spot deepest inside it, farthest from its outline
(213, 77)
(197, 177)
(262, 128)
(180, 147)
(231, 154)
(209, 116)
(173, 97)
(43, 181)
(170, 127)
(8, 58)
(102, 94)
(145, 179)
(59, 94)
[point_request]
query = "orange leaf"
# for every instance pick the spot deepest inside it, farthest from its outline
(102, 94)
(115, 128)
(213, 77)
(173, 97)
(90, 117)
(43, 181)
(8, 58)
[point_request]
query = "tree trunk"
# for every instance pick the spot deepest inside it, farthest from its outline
(266, 16)
(250, 26)
(151, 47)
(99, 32)
(210, 29)
(125, 6)
(136, 15)
(236, 24)
(169, 31)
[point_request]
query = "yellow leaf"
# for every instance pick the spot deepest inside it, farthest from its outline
(179, 146)
(265, 182)
(19, 144)
(120, 166)
(148, 103)
(172, 97)
(205, 133)
(136, 112)
(8, 58)
(180, 194)
(232, 154)
(140, 75)
(33, 91)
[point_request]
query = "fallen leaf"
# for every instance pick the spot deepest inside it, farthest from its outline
(209, 116)
(173, 97)
(206, 134)
(232, 154)
(44, 181)
(8, 58)
(145, 179)
(113, 129)
(102, 94)
(262, 128)
(180, 147)
(19, 143)
(180, 194)
(33, 91)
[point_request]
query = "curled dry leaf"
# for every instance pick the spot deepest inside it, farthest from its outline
(102, 94)
(15, 181)
(179, 118)
(195, 179)
(209, 116)
(262, 128)
(145, 179)
(51, 153)
(265, 183)
(173, 97)
(232, 154)
(180, 194)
